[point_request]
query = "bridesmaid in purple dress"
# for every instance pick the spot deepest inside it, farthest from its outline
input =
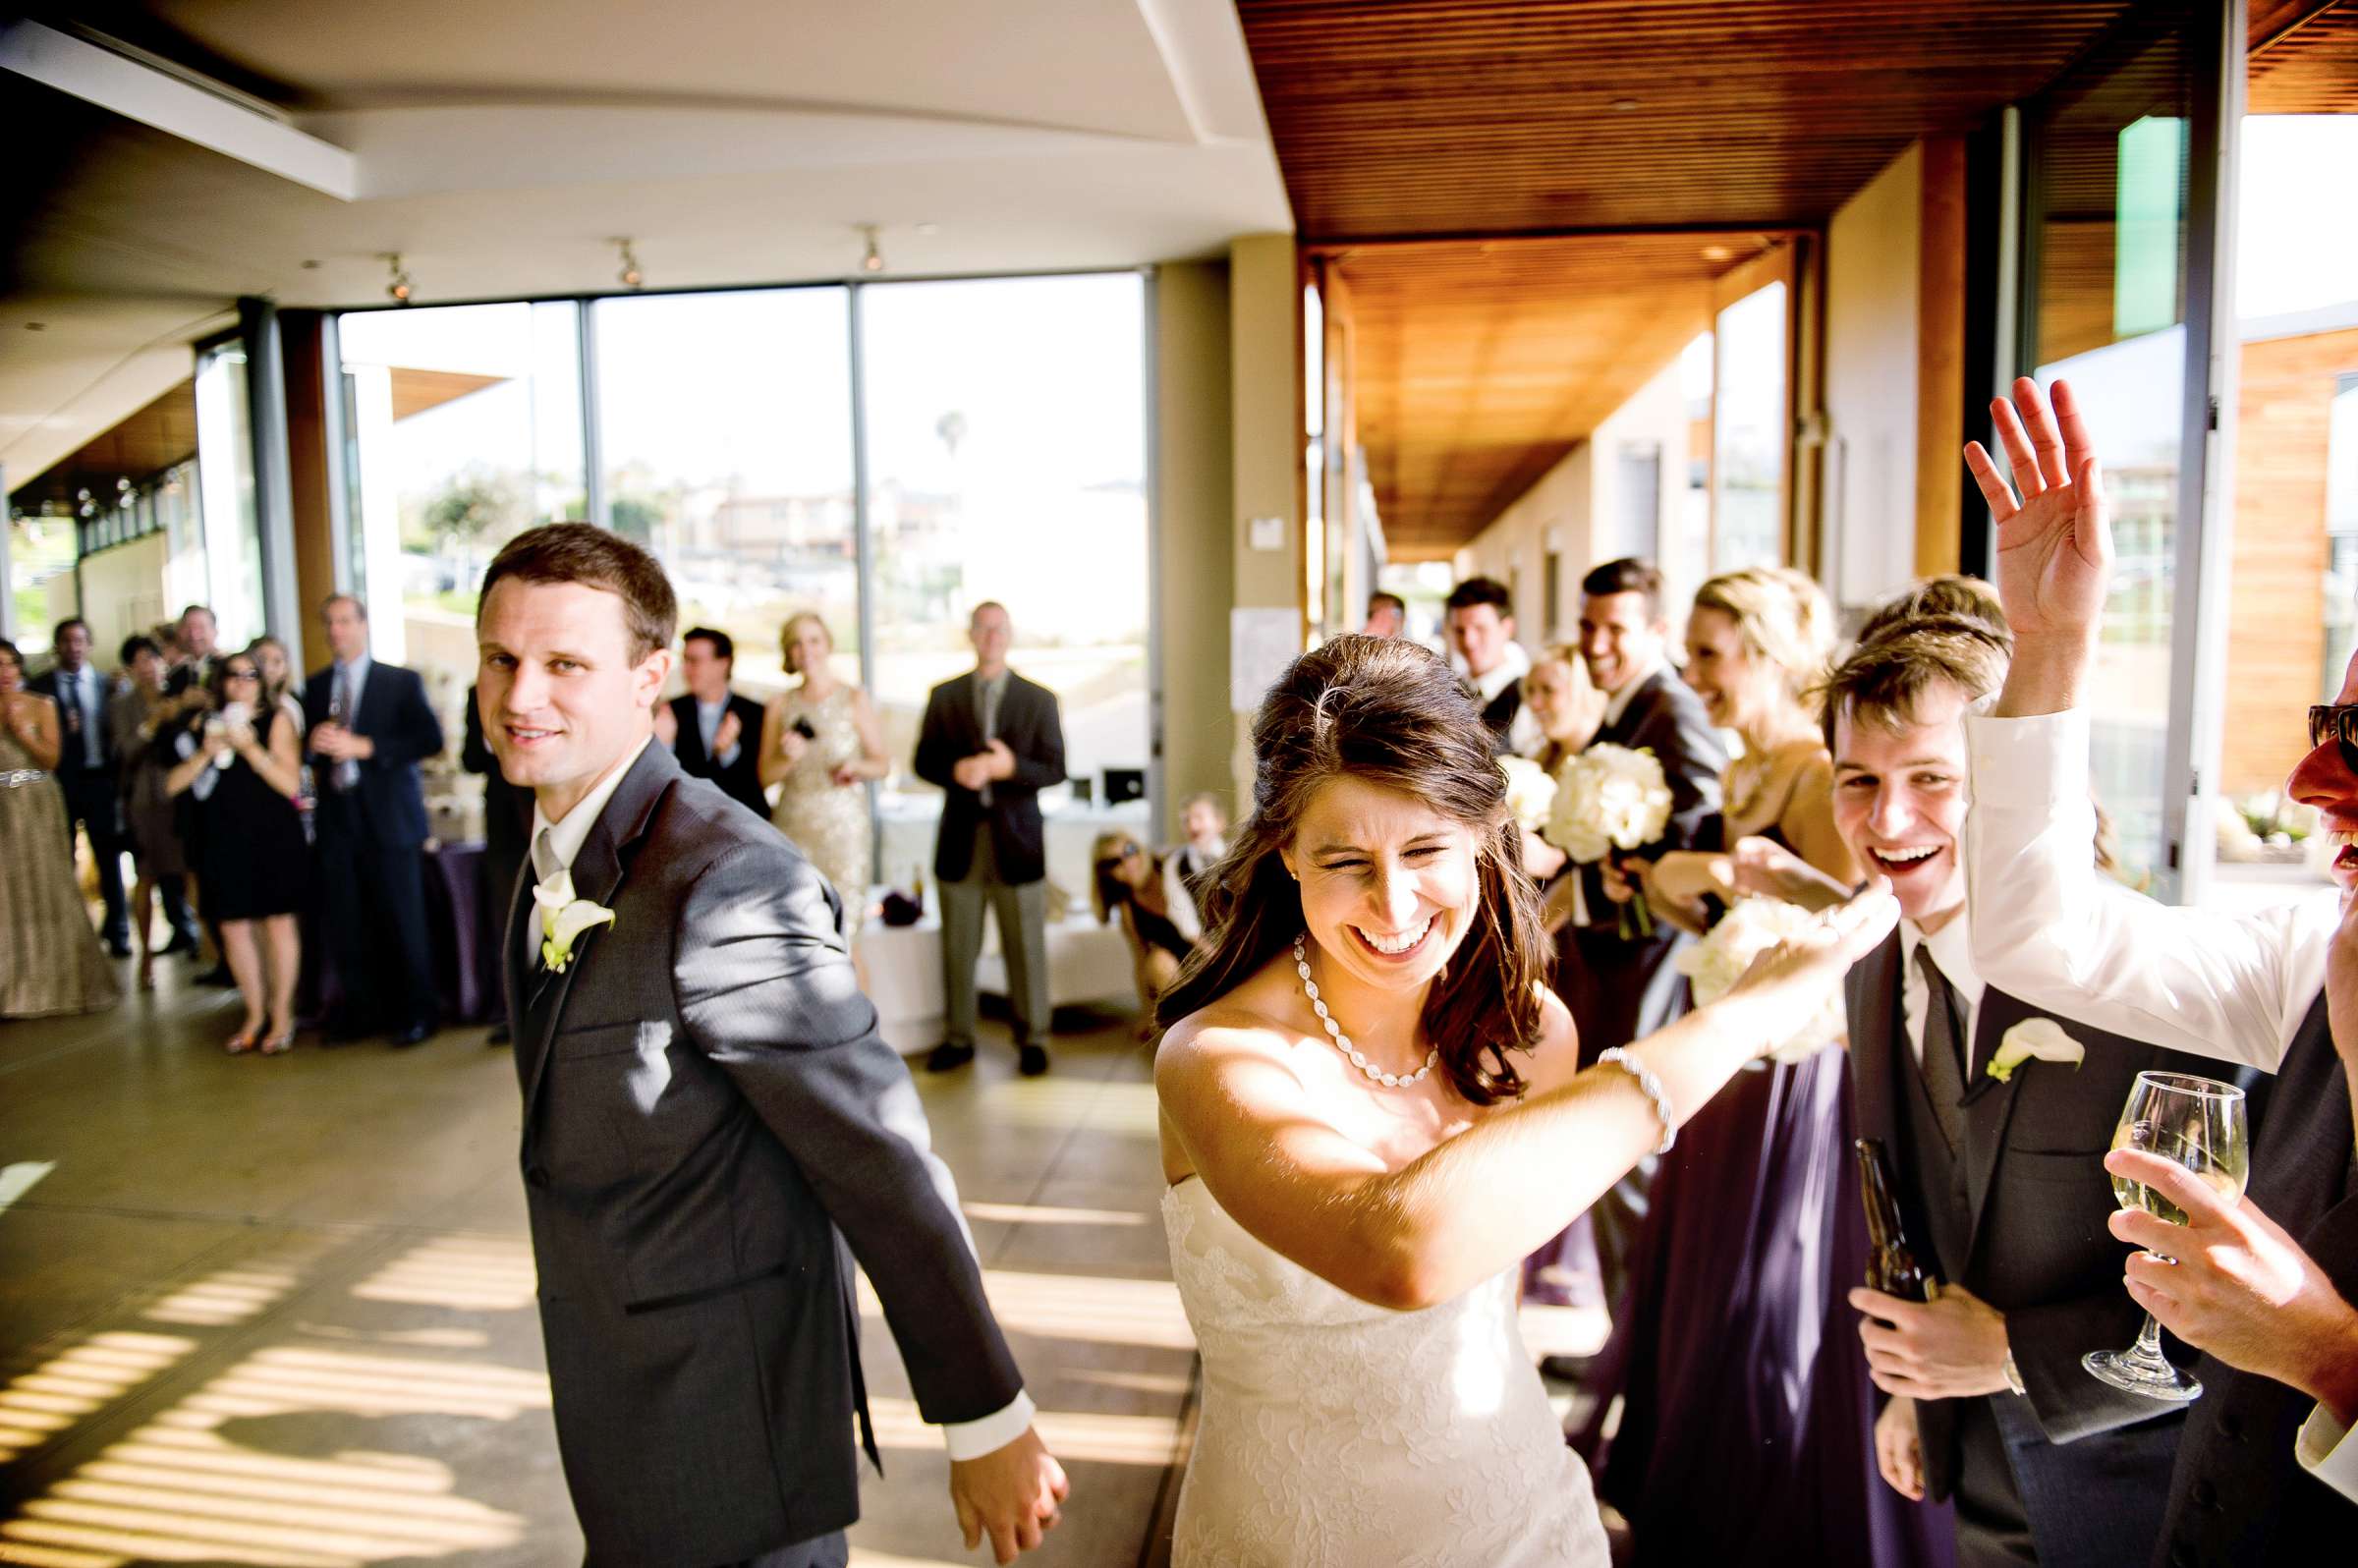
(1745, 1428)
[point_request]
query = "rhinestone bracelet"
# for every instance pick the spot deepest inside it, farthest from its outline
(1651, 1088)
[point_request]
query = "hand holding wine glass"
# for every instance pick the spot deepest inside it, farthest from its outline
(2198, 1126)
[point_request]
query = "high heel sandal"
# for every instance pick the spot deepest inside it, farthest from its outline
(148, 972)
(244, 1041)
(279, 1043)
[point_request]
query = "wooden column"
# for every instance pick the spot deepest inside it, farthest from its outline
(1940, 358)
(309, 463)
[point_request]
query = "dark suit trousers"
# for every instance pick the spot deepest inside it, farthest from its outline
(1022, 911)
(375, 928)
(1992, 1528)
(91, 805)
(827, 1552)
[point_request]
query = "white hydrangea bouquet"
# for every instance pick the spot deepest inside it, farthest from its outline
(1750, 929)
(1530, 792)
(1611, 797)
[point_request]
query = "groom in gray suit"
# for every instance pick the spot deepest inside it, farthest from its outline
(709, 1116)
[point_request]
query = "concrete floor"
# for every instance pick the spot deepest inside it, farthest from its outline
(280, 1311)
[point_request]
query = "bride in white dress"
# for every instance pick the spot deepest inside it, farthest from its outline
(1372, 1112)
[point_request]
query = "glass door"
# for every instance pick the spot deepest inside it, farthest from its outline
(2121, 247)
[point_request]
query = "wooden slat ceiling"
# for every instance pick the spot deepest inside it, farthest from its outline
(1511, 115)
(141, 447)
(1482, 366)
(2311, 67)
(415, 391)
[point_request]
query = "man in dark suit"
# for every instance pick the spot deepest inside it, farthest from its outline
(1479, 617)
(718, 734)
(1622, 989)
(507, 837)
(199, 632)
(2265, 1285)
(710, 1115)
(1989, 1408)
(371, 726)
(993, 741)
(86, 766)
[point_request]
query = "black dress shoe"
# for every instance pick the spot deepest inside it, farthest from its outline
(118, 947)
(415, 1035)
(1031, 1060)
(182, 943)
(947, 1057)
(218, 974)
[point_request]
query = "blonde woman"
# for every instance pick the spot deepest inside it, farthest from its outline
(1757, 640)
(821, 743)
(278, 679)
(1755, 1222)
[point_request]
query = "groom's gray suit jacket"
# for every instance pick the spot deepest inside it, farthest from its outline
(708, 1115)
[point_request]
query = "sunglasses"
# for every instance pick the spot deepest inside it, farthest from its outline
(2337, 722)
(1117, 857)
(242, 675)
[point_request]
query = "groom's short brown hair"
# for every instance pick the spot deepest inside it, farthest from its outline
(1887, 674)
(585, 553)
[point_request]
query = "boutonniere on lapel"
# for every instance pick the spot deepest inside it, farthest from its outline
(564, 919)
(2034, 1040)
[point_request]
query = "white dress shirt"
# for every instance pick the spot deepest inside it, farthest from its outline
(1524, 737)
(2231, 987)
(81, 689)
(707, 725)
(555, 846)
(1952, 951)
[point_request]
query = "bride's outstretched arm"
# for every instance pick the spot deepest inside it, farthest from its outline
(1480, 1201)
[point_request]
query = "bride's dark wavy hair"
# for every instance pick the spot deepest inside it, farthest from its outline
(1389, 713)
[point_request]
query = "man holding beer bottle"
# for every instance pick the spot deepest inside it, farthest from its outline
(1992, 1156)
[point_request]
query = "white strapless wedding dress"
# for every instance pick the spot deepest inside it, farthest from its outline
(1340, 1435)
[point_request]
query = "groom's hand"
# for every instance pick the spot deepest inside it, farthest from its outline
(1013, 1494)
(2054, 544)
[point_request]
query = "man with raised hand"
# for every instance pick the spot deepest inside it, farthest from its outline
(2264, 1284)
(709, 1117)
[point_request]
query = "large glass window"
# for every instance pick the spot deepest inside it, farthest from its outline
(1006, 460)
(1748, 434)
(41, 577)
(467, 423)
(725, 428)
(232, 535)
(2111, 167)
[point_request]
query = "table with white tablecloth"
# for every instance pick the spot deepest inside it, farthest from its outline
(1087, 963)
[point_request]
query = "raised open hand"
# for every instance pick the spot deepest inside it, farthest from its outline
(2054, 545)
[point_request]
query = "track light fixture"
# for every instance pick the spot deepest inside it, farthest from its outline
(398, 289)
(630, 277)
(873, 260)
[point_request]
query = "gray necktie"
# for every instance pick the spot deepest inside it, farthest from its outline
(545, 865)
(347, 772)
(1943, 1062)
(987, 702)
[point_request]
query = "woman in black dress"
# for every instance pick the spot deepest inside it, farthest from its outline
(1126, 878)
(241, 765)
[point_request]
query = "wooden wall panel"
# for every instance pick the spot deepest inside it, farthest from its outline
(2276, 598)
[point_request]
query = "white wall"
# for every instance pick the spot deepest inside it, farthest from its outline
(1576, 510)
(1872, 276)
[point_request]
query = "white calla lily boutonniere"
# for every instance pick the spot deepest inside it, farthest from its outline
(2034, 1040)
(563, 919)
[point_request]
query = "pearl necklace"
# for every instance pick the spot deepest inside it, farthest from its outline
(1343, 1042)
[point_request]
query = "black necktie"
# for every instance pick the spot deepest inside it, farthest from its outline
(1943, 1062)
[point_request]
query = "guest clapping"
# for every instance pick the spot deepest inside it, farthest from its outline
(244, 766)
(140, 711)
(821, 745)
(371, 726)
(50, 960)
(713, 731)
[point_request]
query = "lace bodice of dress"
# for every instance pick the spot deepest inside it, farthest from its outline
(1338, 1432)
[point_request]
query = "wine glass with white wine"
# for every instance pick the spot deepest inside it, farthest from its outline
(2197, 1123)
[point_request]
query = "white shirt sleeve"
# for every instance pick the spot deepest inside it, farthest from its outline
(2324, 1450)
(972, 1439)
(2047, 926)
(1179, 900)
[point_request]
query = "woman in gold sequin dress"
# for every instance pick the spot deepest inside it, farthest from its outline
(50, 960)
(820, 745)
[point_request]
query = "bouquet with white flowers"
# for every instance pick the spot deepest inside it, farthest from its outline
(1608, 797)
(1530, 792)
(1714, 965)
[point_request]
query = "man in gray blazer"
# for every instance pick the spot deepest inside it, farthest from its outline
(709, 1116)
